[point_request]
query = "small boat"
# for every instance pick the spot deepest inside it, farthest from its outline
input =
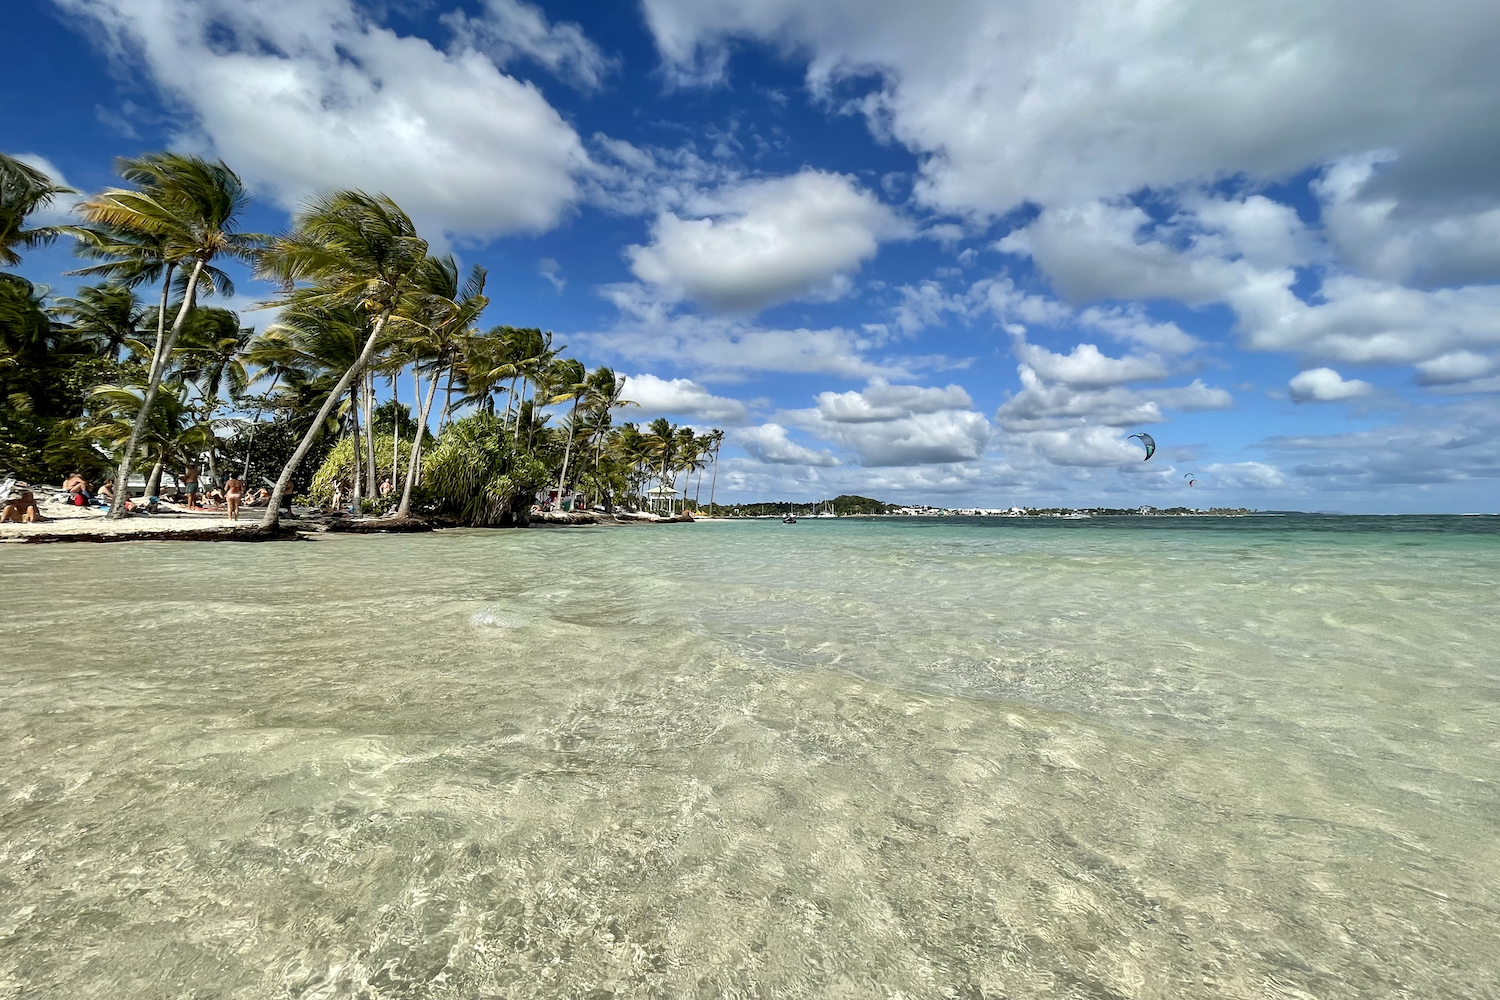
(789, 519)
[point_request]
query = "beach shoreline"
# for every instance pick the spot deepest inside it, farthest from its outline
(66, 523)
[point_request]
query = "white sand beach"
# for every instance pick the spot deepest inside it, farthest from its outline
(65, 519)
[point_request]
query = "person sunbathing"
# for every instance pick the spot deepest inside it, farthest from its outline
(22, 507)
(107, 497)
(77, 489)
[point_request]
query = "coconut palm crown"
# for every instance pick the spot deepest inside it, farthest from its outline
(23, 190)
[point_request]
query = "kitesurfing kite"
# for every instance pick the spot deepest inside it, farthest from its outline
(1191, 478)
(1148, 441)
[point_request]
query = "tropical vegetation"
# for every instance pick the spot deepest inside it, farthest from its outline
(112, 384)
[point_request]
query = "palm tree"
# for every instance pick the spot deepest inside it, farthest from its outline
(662, 440)
(211, 356)
(170, 435)
(23, 190)
(634, 450)
(702, 447)
(445, 313)
(570, 382)
(356, 250)
(716, 439)
(108, 315)
(185, 209)
(687, 449)
(534, 353)
(487, 361)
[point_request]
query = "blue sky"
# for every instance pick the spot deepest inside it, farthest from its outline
(952, 252)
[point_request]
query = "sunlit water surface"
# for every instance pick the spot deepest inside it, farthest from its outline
(1166, 758)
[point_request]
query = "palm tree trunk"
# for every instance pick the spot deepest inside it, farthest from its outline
(159, 364)
(153, 481)
(520, 402)
(415, 462)
(273, 507)
(567, 452)
(698, 493)
(161, 317)
(395, 424)
(713, 480)
(447, 400)
(372, 485)
(356, 502)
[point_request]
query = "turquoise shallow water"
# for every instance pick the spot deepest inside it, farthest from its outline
(960, 758)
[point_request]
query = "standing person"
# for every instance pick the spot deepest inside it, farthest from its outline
(190, 483)
(233, 490)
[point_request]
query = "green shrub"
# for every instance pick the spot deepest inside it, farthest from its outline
(338, 470)
(479, 475)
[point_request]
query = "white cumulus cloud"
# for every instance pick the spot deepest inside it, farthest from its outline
(1086, 365)
(304, 96)
(1062, 101)
(1324, 385)
(1456, 366)
(883, 401)
(899, 425)
(767, 241)
(769, 443)
(506, 29)
(681, 396)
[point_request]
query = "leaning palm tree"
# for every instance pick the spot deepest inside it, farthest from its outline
(23, 190)
(185, 208)
(319, 342)
(354, 249)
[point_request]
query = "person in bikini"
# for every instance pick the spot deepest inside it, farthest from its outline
(233, 490)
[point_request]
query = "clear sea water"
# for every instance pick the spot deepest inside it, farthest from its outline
(1138, 758)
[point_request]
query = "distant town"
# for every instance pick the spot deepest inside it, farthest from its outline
(857, 506)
